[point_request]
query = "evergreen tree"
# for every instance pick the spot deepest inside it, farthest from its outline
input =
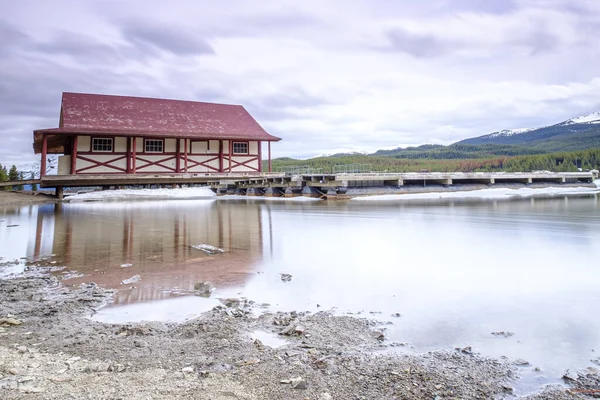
(3, 176)
(34, 187)
(13, 173)
(21, 177)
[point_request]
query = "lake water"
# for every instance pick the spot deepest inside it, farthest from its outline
(456, 270)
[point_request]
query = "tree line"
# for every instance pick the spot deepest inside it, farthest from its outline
(570, 161)
(13, 174)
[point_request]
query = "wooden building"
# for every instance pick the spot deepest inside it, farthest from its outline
(104, 134)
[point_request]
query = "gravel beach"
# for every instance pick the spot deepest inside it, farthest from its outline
(51, 349)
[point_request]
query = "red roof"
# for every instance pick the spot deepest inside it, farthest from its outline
(140, 116)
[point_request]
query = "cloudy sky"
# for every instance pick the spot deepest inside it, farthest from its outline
(323, 75)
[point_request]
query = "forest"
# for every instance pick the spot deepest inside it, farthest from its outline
(468, 158)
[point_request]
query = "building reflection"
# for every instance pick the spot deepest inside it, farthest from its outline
(99, 240)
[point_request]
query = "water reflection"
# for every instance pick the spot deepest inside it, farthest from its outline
(100, 241)
(457, 270)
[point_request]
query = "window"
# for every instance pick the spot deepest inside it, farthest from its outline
(240, 148)
(102, 145)
(154, 145)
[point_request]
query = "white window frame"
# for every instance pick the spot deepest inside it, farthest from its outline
(110, 141)
(156, 141)
(246, 144)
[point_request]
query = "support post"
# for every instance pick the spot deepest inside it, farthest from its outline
(178, 156)
(259, 156)
(59, 192)
(270, 157)
(133, 156)
(185, 151)
(128, 157)
(74, 155)
(44, 155)
(221, 156)
(230, 151)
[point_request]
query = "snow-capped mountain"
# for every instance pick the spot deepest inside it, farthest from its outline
(509, 132)
(575, 133)
(592, 118)
(51, 167)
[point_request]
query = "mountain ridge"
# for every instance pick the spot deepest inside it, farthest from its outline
(540, 137)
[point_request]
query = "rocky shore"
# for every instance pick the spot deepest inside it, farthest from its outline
(24, 198)
(51, 349)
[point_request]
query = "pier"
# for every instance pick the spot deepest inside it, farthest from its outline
(325, 186)
(345, 185)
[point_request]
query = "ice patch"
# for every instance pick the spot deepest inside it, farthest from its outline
(496, 193)
(298, 199)
(268, 339)
(177, 309)
(132, 194)
(11, 268)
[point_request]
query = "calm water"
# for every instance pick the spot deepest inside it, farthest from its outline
(455, 270)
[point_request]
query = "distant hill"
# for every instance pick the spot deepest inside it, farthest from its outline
(573, 134)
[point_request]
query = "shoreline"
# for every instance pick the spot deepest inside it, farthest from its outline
(57, 351)
(17, 198)
(405, 193)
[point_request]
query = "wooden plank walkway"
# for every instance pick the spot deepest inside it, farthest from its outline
(349, 180)
(23, 182)
(279, 184)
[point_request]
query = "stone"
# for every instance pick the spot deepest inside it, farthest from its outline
(230, 302)
(187, 370)
(140, 343)
(133, 279)
(209, 249)
(10, 321)
(396, 315)
(378, 335)
(325, 396)
(97, 367)
(292, 329)
(298, 383)
(204, 289)
(73, 360)
(286, 277)
(115, 367)
(22, 349)
(570, 376)
(505, 334)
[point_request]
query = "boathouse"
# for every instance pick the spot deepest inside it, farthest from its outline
(106, 134)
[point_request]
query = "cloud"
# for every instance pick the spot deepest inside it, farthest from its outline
(11, 38)
(79, 46)
(421, 45)
(153, 35)
(322, 75)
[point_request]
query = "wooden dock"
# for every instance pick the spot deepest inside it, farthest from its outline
(313, 185)
(338, 185)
